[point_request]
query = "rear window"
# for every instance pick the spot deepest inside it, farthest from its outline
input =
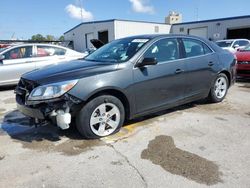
(224, 44)
(195, 48)
(43, 51)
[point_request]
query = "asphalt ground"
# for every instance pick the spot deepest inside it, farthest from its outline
(195, 145)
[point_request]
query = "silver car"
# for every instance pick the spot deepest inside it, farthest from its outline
(18, 59)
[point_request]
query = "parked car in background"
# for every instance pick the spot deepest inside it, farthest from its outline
(243, 65)
(124, 79)
(18, 59)
(233, 45)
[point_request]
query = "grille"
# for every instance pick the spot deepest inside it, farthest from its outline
(24, 88)
(243, 72)
(243, 62)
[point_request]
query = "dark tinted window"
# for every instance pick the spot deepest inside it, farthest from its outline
(195, 48)
(207, 50)
(163, 50)
(18, 53)
(43, 51)
(243, 43)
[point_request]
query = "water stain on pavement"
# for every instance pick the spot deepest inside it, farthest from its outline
(47, 138)
(51, 139)
(162, 151)
(9, 101)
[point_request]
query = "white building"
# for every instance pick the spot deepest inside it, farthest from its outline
(216, 29)
(109, 30)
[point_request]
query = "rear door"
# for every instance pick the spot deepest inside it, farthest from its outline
(18, 61)
(162, 84)
(202, 66)
(47, 55)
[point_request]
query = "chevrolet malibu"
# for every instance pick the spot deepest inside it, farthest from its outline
(124, 79)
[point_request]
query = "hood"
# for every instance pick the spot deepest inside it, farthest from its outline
(68, 71)
(243, 55)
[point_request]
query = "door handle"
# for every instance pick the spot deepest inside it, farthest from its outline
(178, 71)
(210, 63)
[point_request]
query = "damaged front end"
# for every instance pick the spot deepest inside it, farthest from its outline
(49, 103)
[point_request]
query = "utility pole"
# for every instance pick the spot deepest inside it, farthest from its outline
(80, 1)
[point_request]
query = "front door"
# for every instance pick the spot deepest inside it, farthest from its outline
(161, 84)
(17, 61)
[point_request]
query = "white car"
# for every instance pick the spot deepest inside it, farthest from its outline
(18, 59)
(233, 45)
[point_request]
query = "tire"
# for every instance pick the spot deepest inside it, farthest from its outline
(217, 95)
(100, 117)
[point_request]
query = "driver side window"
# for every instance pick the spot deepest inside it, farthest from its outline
(163, 50)
(19, 53)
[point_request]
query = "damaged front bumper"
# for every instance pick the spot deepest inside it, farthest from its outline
(58, 111)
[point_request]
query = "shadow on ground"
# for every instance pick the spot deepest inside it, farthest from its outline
(51, 138)
(6, 88)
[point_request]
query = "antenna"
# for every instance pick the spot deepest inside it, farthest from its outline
(80, 1)
(197, 11)
(13, 36)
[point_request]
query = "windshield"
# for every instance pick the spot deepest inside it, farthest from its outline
(224, 44)
(247, 48)
(2, 49)
(118, 51)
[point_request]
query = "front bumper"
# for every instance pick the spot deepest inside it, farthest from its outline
(243, 70)
(28, 111)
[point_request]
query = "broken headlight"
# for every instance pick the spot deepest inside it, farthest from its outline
(51, 91)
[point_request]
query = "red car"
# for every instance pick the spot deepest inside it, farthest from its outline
(243, 66)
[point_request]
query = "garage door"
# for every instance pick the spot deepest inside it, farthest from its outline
(199, 32)
(238, 33)
(88, 37)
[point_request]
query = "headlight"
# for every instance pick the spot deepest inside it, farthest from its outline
(51, 91)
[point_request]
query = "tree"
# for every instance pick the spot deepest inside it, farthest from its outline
(38, 37)
(50, 38)
(61, 38)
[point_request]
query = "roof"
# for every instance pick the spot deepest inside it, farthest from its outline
(112, 20)
(214, 20)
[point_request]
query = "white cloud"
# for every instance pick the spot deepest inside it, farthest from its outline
(79, 13)
(141, 7)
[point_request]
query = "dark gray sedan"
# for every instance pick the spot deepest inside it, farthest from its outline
(124, 79)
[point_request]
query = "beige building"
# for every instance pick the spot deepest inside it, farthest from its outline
(173, 18)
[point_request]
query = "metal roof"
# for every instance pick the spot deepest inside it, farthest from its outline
(214, 20)
(112, 20)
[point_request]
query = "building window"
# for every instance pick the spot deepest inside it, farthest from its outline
(182, 29)
(156, 29)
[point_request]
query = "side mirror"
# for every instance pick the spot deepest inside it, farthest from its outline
(236, 46)
(147, 61)
(2, 57)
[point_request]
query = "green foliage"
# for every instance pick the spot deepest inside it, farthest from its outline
(39, 37)
(61, 38)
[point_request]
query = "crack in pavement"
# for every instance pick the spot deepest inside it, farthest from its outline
(130, 164)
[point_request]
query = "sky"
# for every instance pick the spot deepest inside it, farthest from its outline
(23, 18)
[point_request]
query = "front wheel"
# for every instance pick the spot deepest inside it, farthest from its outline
(219, 89)
(102, 116)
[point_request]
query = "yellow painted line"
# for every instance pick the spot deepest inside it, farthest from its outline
(125, 131)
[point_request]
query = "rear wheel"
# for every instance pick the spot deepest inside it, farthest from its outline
(102, 116)
(219, 89)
